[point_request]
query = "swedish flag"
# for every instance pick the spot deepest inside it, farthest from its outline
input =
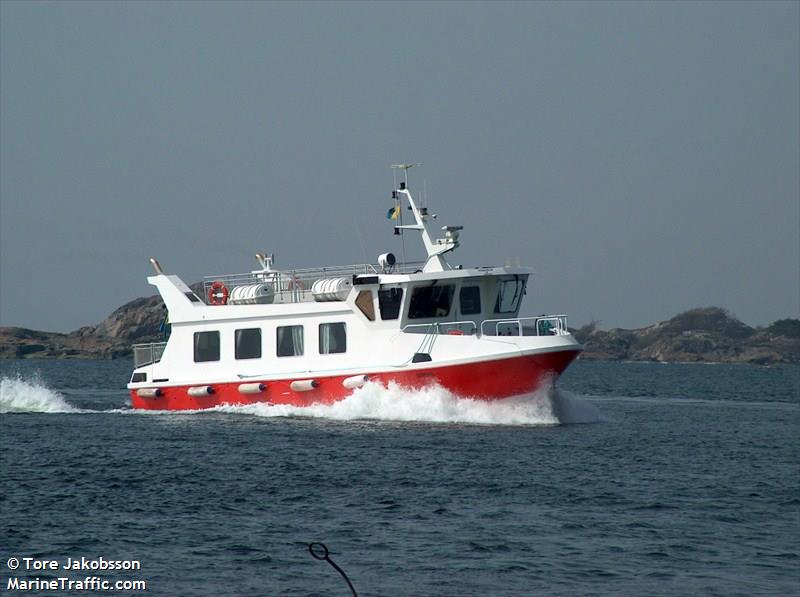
(393, 213)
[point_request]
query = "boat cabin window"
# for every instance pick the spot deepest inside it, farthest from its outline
(206, 347)
(431, 301)
(389, 301)
(248, 343)
(290, 340)
(509, 294)
(365, 304)
(469, 298)
(332, 338)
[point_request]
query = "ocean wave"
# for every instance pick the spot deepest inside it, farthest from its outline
(23, 395)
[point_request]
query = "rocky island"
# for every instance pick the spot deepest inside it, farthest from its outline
(709, 335)
(135, 322)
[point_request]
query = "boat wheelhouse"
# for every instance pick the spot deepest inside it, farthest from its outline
(310, 336)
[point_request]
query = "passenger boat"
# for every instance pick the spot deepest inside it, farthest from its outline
(308, 336)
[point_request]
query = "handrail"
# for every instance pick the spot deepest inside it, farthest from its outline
(543, 325)
(454, 328)
(147, 354)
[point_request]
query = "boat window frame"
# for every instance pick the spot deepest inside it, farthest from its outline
(236, 344)
(470, 287)
(398, 304)
(214, 347)
(366, 305)
(342, 338)
(433, 286)
(278, 341)
(516, 299)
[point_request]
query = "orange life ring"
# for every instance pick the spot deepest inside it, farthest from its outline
(455, 333)
(218, 294)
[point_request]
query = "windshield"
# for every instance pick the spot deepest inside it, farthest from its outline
(431, 301)
(509, 294)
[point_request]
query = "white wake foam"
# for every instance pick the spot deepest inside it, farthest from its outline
(547, 406)
(20, 395)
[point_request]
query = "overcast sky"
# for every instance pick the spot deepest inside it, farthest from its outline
(642, 157)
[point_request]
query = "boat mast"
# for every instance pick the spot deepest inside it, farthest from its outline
(435, 248)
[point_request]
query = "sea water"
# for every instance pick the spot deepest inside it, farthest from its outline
(626, 479)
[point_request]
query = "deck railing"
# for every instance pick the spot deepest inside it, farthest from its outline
(146, 354)
(452, 328)
(295, 285)
(544, 325)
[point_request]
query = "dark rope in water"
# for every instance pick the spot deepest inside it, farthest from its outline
(320, 552)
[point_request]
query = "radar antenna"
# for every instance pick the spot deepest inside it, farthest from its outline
(405, 168)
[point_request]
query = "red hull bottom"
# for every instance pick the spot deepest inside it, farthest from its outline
(488, 380)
